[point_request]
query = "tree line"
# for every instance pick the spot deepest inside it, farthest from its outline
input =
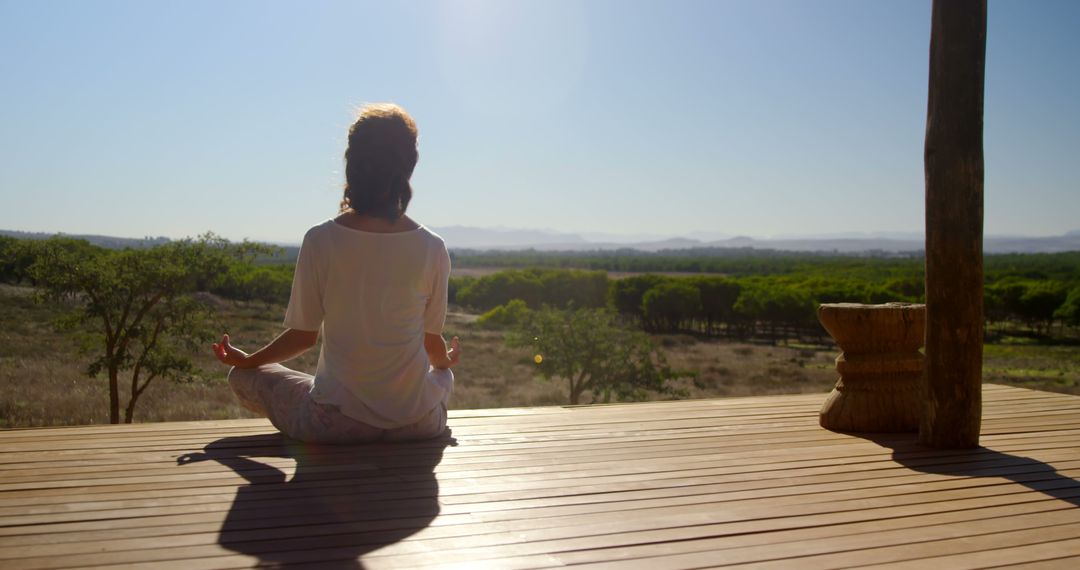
(728, 261)
(744, 294)
(749, 261)
(140, 310)
(1037, 294)
(253, 276)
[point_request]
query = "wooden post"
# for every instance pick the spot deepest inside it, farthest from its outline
(952, 400)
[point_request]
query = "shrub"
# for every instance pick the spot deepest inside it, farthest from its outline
(508, 315)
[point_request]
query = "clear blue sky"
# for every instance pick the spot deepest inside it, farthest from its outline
(754, 117)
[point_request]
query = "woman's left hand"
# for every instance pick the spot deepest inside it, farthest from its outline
(228, 353)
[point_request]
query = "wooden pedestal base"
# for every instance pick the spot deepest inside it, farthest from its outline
(880, 367)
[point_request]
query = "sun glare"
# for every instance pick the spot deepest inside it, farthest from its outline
(508, 56)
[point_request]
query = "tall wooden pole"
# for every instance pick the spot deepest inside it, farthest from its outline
(952, 402)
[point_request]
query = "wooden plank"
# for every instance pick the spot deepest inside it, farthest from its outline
(59, 455)
(135, 500)
(355, 456)
(805, 533)
(546, 487)
(545, 506)
(552, 464)
(968, 552)
(705, 464)
(536, 517)
(652, 550)
(603, 532)
(684, 516)
(86, 489)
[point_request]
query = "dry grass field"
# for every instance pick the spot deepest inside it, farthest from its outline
(42, 380)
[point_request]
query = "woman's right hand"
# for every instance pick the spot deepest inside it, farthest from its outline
(229, 354)
(438, 354)
(454, 354)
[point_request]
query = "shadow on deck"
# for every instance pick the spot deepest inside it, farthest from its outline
(658, 485)
(344, 491)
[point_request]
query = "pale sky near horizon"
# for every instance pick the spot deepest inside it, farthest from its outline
(751, 117)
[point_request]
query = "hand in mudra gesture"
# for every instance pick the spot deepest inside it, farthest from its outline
(229, 354)
(454, 353)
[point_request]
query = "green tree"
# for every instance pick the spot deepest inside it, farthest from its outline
(589, 351)
(267, 283)
(136, 308)
(9, 260)
(508, 315)
(18, 255)
(718, 296)
(1001, 299)
(1039, 303)
(777, 306)
(1069, 311)
(537, 287)
(457, 284)
(670, 305)
(490, 291)
(627, 295)
(910, 288)
(565, 288)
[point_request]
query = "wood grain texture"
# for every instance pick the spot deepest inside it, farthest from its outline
(743, 481)
(880, 367)
(954, 225)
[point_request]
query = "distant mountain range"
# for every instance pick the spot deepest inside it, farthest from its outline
(461, 237)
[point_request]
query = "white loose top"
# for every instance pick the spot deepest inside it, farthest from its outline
(374, 295)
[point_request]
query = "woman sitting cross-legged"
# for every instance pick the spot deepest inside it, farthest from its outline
(375, 283)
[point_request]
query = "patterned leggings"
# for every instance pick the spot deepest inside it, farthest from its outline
(283, 396)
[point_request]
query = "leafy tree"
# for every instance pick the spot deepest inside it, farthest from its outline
(136, 308)
(18, 255)
(627, 295)
(490, 291)
(1069, 311)
(557, 287)
(1002, 299)
(267, 283)
(565, 288)
(776, 306)
(911, 288)
(9, 272)
(510, 314)
(718, 297)
(1040, 301)
(668, 306)
(589, 351)
(457, 284)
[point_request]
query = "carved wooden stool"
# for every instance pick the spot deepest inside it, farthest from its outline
(880, 366)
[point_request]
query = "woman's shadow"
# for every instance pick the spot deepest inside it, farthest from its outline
(341, 503)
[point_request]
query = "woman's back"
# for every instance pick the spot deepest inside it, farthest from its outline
(375, 295)
(374, 283)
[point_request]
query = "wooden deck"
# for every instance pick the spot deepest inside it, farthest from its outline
(660, 485)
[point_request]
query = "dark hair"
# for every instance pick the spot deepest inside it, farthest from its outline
(379, 161)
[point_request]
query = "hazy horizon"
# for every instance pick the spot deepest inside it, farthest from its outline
(519, 237)
(741, 118)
